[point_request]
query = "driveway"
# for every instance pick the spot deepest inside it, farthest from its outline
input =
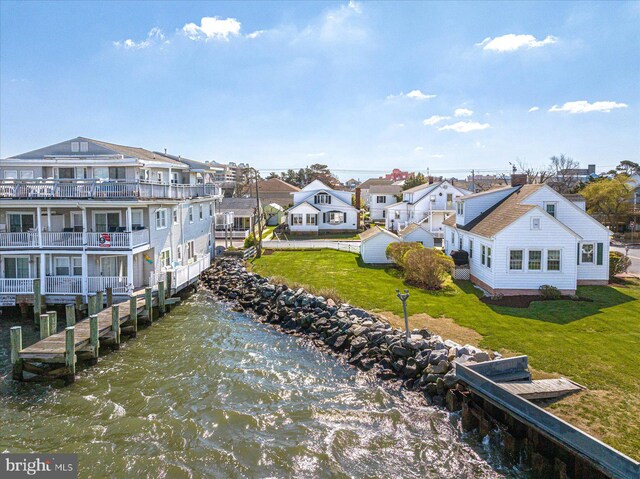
(634, 254)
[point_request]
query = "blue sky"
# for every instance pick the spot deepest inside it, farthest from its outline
(363, 87)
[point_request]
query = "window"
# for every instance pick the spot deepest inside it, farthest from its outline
(75, 147)
(136, 219)
(26, 174)
(210, 209)
(460, 208)
(101, 173)
(165, 258)
(106, 222)
(21, 222)
(191, 250)
(76, 264)
(535, 223)
(381, 199)
(483, 255)
(76, 220)
(470, 248)
(453, 238)
(61, 266)
(201, 212)
(587, 253)
(322, 199)
(179, 253)
(396, 215)
(535, 260)
(174, 178)
(175, 215)
(488, 257)
(190, 214)
(161, 218)
(84, 146)
(16, 268)
(296, 219)
(66, 173)
(10, 174)
(312, 219)
(550, 208)
(159, 177)
(384, 214)
(336, 217)
(81, 172)
(515, 259)
(553, 260)
(117, 173)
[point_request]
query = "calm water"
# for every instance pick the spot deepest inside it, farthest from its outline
(207, 392)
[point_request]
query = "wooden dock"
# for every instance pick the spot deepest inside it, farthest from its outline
(542, 388)
(57, 353)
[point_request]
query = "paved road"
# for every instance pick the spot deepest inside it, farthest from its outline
(634, 254)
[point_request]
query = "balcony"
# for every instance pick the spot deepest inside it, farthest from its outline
(100, 190)
(70, 240)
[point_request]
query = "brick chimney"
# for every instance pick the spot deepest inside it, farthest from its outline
(518, 179)
(358, 207)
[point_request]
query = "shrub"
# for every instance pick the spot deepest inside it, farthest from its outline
(396, 252)
(427, 267)
(250, 241)
(618, 263)
(549, 292)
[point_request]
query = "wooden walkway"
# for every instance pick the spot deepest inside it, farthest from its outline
(542, 388)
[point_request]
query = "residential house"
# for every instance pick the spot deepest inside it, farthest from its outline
(397, 175)
(521, 237)
(272, 190)
(238, 218)
(84, 215)
(351, 183)
(373, 245)
(320, 209)
(274, 214)
(430, 204)
(366, 185)
(381, 196)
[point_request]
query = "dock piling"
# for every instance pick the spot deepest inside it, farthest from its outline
(37, 302)
(94, 339)
(70, 314)
(99, 301)
(44, 326)
(70, 354)
(91, 304)
(148, 303)
(109, 297)
(115, 324)
(133, 313)
(53, 322)
(16, 346)
(161, 298)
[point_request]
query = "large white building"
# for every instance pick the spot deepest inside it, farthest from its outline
(84, 215)
(319, 209)
(428, 204)
(522, 237)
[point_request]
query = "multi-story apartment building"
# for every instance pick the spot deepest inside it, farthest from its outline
(84, 215)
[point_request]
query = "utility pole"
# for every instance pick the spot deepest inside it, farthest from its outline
(258, 216)
(403, 298)
(473, 181)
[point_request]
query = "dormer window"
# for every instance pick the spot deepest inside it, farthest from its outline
(550, 208)
(460, 208)
(75, 147)
(322, 199)
(84, 146)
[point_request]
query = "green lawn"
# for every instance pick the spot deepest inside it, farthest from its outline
(268, 230)
(596, 344)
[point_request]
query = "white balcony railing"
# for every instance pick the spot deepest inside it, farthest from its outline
(16, 285)
(101, 283)
(18, 240)
(100, 189)
(55, 239)
(65, 240)
(108, 240)
(63, 285)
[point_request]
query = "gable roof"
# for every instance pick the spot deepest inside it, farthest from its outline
(315, 185)
(422, 187)
(241, 206)
(367, 184)
(134, 151)
(276, 185)
(411, 228)
(385, 189)
(488, 192)
(330, 193)
(303, 203)
(375, 231)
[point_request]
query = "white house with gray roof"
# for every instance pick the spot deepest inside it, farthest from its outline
(379, 197)
(84, 215)
(429, 204)
(519, 238)
(319, 209)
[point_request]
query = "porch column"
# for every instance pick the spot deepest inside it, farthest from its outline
(39, 223)
(43, 274)
(130, 271)
(129, 226)
(48, 218)
(85, 275)
(84, 229)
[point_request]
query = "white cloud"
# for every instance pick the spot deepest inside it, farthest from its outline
(340, 24)
(512, 42)
(212, 28)
(154, 36)
(432, 120)
(316, 155)
(413, 94)
(583, 106)
(465, 126)
(255, 34)
(418, 149)
(533, 108)
(463, 112)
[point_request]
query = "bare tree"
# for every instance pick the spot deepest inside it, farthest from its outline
(564, 173)
(534, 174)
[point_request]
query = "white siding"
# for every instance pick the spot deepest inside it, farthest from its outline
(373, 250)
(377, 209)
(475, 206)
(421, 236)
(304, 210)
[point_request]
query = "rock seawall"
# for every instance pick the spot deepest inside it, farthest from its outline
(423, 364)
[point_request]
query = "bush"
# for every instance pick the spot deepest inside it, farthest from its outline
(396, 252)
(427, 267)
(618, 263)
(549, 292)
(250, 241)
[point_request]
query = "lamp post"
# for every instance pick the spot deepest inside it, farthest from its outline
(403, 297)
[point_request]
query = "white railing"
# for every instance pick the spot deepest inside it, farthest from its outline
(235, 233)
(63, 285)
(94, 188)
(350, 246)
(16, 285)
(186, 273)
(139, 237)
(108, 240)
(101, 283)
(17, 240)
(56, 239)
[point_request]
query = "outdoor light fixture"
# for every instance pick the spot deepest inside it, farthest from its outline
(403, 298)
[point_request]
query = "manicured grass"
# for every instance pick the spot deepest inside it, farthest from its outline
(268, 230)
(596, 344)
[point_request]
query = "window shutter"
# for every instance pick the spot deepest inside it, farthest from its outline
(345, 218)
(599, 254)
(578, 255)
(324, 217)
(328, 200)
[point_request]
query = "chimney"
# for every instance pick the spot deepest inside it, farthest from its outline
(518, 179)
(430, 180)
(591, 169)
(358, 207)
